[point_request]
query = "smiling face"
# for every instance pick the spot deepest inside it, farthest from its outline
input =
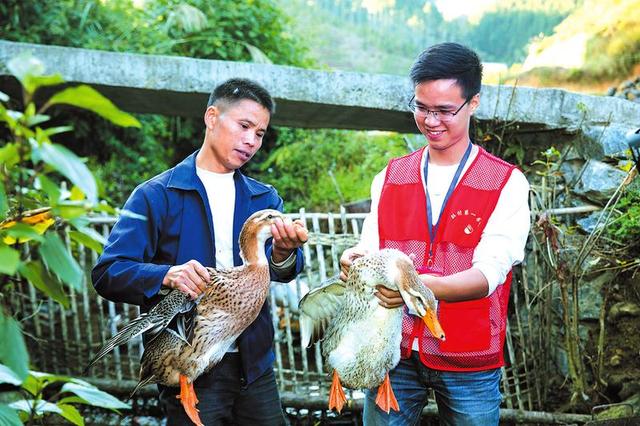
(234, 134)
(444, 95)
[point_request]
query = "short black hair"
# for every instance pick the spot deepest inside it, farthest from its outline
(449, 61)
(237, 89)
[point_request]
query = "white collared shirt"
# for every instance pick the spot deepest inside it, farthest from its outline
(504, 237)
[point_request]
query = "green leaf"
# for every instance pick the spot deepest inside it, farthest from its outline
(13, 351)
(76, 194)
(15, 115)
(72, 399)
(92, 233)
(50, 131)
(54, 253)
(8, 376)
(70, 165)
(29, 111)
(29, 71)
(22, 231)
(69, 210)
(9, 155)
(80, 222)
(257, 55)
(39, 406)
(8, 416)
(32, 384)
(37, 119)
(50, 187)
(87, 241)
(51, 377)
(81, 382)
(72, 414)
(37, 81)
(4, 203)
(23, 66)
(9, 259)
(88, 98)
(43, 281)
(104, 207)
(94, 396)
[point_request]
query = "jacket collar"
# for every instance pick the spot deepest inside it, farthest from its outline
(184, 177)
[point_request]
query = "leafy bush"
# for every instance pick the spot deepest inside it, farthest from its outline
(241, 30)
(46, 194)
(626, 227)
(318, 170)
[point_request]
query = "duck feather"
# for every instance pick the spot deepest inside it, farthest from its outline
(154, 322)
(318, 308)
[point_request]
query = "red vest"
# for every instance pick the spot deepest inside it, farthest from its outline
(474, 329)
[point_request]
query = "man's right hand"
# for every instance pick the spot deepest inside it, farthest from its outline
(190, 278)
(347, 258)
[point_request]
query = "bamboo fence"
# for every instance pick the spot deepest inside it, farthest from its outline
(64, 340)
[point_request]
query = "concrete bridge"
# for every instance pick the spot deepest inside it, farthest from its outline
(172, 85)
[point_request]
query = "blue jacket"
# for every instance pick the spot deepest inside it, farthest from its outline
(178, 228)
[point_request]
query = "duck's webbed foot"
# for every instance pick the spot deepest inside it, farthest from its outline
(189, 400)
(385, 399)
(337, 398)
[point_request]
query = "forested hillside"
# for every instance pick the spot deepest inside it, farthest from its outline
(604, 38)
(385, 35)
(504, 31)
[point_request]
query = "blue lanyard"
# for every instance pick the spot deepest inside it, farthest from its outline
(433, 229)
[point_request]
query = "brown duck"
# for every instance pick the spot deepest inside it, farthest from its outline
(205, 327)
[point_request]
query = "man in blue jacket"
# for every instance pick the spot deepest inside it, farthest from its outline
(194, 213)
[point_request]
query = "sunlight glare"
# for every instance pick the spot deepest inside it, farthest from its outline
(452, 9)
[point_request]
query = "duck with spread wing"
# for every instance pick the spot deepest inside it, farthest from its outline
(360, 338)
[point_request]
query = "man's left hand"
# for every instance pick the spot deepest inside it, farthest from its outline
(287, 236)
(388, 298)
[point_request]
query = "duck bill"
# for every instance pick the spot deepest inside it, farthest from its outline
(431, 321)
(420, 297)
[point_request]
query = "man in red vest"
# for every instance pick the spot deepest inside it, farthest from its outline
(462, 214)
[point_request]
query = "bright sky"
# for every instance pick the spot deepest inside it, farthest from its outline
(452, 9)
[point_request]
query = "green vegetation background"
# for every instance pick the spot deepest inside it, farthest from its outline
(318, 169)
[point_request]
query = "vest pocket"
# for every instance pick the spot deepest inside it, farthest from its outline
(466, 325)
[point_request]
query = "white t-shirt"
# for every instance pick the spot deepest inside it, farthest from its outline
(505, 235)
(221, 192)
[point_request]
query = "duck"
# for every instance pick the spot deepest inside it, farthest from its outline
(360, 338)
(205, 327)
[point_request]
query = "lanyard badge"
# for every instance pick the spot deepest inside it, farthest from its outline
(431, 226)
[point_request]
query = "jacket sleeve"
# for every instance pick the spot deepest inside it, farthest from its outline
(281, 275)
(125, 271)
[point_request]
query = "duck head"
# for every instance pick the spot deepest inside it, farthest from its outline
(415, 294)
(255, 232)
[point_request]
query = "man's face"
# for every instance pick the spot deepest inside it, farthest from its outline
(234, 134)
(443, 95)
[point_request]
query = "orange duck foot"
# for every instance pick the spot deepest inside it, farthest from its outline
(337, 399)
(189, 400)
(385, 399)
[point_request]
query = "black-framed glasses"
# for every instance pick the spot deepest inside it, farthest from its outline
(438, 114)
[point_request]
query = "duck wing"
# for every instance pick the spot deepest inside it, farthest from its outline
(174, 304)
(318, 308)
